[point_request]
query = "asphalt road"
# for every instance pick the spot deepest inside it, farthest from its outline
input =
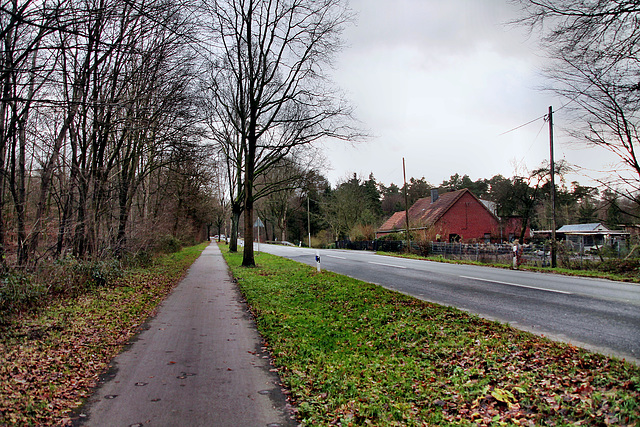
(599, 315)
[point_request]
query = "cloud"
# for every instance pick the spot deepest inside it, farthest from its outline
(438, 82)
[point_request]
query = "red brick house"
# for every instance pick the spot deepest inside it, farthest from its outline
(454, 216)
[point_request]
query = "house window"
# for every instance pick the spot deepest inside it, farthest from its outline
(487, 237)
(454, 238)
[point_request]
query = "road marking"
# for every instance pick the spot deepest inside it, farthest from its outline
(515, 284)
(333, 256)
(386, 265)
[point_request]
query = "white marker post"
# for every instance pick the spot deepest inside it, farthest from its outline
(318, 261)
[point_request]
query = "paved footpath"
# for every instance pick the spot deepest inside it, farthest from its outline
(199, 362)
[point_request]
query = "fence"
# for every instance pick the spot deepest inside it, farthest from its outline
(486, 253)
(476, 252)
(376, 245)
(539, 255)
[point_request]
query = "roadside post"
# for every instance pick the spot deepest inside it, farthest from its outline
(318, 261)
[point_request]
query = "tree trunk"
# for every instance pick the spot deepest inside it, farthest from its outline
(247, 256)
(124, 208)
(235, 220)
(65, 222)
(248, 259)
(283, 226)
(80, 236)
(176, 223)
(21, 191)
(3, 149)
(18, 178)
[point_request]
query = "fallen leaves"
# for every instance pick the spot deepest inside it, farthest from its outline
(49, 361)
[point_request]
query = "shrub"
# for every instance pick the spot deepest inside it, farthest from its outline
(64, 277)
(620, 266)
(18, 291)
(101, 273)
(361, 233)
(394, 236)
(141, 259)
(317, 242)
(70, 276)
(169, 244)
(324, 239)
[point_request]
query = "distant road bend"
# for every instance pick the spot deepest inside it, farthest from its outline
(600, 315)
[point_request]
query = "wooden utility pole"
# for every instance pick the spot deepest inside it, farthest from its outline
(553, 192)
(406, 206)
(309, 220)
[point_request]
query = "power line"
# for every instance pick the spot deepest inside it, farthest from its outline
(537, 135)
(545, 116)
(523, 125)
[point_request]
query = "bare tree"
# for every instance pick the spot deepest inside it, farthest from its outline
(595, 46)
(280, 190)
(25, 66)
(271, 83)
(229, 143)
(96, 97)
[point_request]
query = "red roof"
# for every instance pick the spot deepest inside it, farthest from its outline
(424, 213)
(396, 222)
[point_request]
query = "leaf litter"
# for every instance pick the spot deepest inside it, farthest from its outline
(51, 359)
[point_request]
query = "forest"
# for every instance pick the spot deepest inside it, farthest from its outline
(101, 151)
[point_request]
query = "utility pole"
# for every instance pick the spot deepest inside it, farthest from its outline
(406, 206)
(309, 220)
(552, 168)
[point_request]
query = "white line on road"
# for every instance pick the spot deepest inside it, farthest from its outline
(333, 256)
(386, 265)
(515, 284)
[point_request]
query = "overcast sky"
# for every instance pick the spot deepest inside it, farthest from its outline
(437, 82)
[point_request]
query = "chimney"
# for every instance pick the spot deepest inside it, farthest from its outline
(434, 195)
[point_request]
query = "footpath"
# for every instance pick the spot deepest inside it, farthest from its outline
(198, 362)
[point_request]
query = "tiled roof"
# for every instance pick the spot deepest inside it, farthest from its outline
(396, 222)
(423, 212)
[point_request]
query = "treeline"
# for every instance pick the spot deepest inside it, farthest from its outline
(357, 206)
(101, 150)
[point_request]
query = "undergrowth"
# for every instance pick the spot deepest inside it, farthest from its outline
(50, 357)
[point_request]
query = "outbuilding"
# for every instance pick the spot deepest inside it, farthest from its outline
(583, 237)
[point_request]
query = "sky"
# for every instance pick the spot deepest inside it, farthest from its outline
(440, 84)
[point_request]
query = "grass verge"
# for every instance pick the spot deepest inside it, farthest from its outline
(353, 353)
(50, 359)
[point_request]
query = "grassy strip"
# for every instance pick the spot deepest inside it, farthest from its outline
(49, 360)
(631, 277)
(357, 354)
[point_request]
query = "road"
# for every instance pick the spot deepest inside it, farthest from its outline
(599, 315)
